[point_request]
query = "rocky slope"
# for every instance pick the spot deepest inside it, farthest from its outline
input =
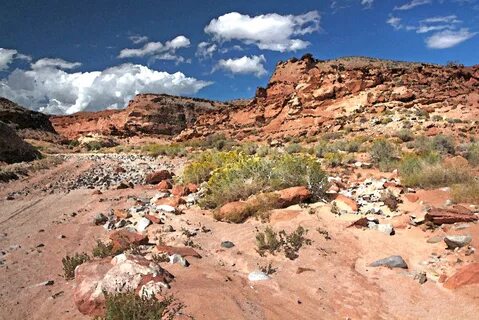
(27, 123)
(305, 97)
(13, 148)
(146, 114)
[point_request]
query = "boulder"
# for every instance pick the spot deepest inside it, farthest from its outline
(182, 251)
(346, 204)
(458, 241)
(292, 196)
(468, 275)
(236, 212)
(158, 176)
(123, 273)
(171, 201)
(450, 215)
(124, 239)
(391, 262)
(180, 190)
(164, 185)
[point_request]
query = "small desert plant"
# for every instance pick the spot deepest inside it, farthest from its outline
(443, 144)
(102, 250)
(293, 148)
(131, 306)
(171, 150)
(268, 269)
(93, 145)
(293, 242)
(267, 241)
(159, 258)
(333, 159)
(70, 263)
(272, 242)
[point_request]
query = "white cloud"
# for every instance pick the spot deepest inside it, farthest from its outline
(412, 4)
(205, 50)
(437, 23)
(367, 3)
(449, 38)
(244, 65)
(269, 31)
(395, 22)
(57, 91)
(8, 55)
(136, 39)
(158, 50)
(55, 63)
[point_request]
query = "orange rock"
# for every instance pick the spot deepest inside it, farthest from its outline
(124, 239)
(171, 201)
(292, 196)
(411, 197)
(164, 185)
(467, 275)
(121, 213)
(153, 219)
(158, 176)
(450, 215)
(180, 190)
(236, 212)
(345, 203)
(192, 188)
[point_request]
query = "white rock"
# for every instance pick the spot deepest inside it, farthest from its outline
(142, 224)
(166, 208)
(176, 258)
(258, 276)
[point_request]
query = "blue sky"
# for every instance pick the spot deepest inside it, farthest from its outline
(61, 56)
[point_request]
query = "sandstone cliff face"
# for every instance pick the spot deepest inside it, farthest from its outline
(146, 114)
(27, 123)
(12, 148)
(306, 97)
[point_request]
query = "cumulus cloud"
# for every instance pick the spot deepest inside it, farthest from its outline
(158, 50)
(367, 3)
(412, 4)
(269, 31)
(8, 55)
(206, 50)
(244, 65)
(50, 89)
(449, 38)
(55, 63)
(136, 39)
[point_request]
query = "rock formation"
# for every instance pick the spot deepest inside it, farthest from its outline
(306, 97)
(12, 148)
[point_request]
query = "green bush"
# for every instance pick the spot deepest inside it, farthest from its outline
(472, 154)
(405, 135)
(427, 171)
(383, 153)
(443, 144)
(93, 145)
(70, 263)
(234, 176)
(171, 150)
(333, 159)
(130, 306)
(272, 242)
(293, 148)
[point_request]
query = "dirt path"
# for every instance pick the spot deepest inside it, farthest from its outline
(40, 227)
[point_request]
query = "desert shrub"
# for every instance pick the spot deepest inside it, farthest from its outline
(466, 192)
(249, 148)
(293, 148)
(437, 117)
(429, 172)
(383, 153)
(171, 150)
(268, 268)
(386, 120)
(93, 145)
(333, 159)
(332, 135)
(443, 144)
(272, 242)
(160, 257)
(219, 142)
(472, 154)
(70, 263)
(201, 168)
(405, 135)
(131, 306)
(240, 176)
(102, 250)
(263, 151)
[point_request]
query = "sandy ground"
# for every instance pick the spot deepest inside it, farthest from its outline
(338, 283)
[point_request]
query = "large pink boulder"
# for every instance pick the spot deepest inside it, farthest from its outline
(465, 276)
(123, 273)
